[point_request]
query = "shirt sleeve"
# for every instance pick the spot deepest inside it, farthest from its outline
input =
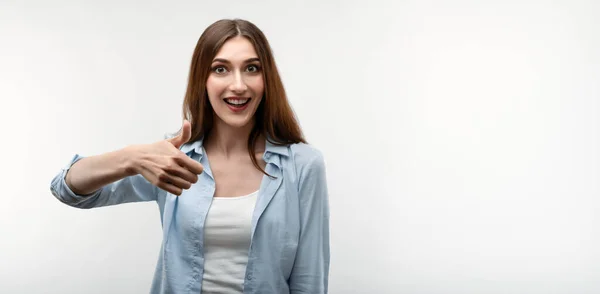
(310, 273)
(129, 189)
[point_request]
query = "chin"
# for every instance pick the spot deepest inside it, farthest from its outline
(237, 123)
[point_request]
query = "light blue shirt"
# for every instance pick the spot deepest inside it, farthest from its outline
(289, 251)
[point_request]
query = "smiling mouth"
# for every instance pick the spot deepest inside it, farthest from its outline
(237, 102)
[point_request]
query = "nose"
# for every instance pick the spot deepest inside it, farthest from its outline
(238, 85)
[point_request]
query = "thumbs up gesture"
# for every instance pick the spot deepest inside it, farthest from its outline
(165, 166)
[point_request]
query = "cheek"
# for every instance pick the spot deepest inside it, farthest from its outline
(214, 89)
(258, 86)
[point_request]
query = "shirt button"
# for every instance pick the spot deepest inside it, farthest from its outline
(249, 276)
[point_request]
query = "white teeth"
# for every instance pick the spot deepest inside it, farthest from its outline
(237, 101)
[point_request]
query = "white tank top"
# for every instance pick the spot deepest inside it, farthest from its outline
(227, 233)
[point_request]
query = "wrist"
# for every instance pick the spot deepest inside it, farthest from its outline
(129, 160)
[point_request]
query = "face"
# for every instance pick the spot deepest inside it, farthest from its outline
(235, 84)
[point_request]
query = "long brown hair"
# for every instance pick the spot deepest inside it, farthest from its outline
(274, 117)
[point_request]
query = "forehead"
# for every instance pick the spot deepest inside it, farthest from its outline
(237, 49)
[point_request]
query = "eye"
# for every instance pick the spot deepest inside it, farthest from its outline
(253, 68)
(219, 69)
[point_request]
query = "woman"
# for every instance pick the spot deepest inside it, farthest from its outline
(242, 197)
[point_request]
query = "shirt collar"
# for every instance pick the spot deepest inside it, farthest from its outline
(270, 148)
(196, 146)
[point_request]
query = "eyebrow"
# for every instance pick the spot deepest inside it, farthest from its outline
(228, 62)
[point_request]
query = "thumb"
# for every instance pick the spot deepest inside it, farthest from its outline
(184, 136)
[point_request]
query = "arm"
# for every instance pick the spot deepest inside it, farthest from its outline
(131, 174)
(310, 273)
(101, 180)
(89, 174)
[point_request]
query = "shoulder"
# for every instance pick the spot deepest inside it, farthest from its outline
(304, 154)
(307, 158)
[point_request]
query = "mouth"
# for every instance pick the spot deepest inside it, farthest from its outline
(237, 101)
(237, 104)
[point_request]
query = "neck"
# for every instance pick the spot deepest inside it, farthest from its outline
(227, 140)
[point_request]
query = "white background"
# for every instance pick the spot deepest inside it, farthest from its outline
(461, 137)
